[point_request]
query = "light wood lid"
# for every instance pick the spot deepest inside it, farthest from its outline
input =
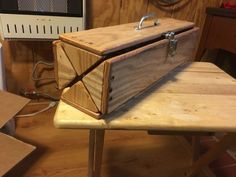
(105, 40)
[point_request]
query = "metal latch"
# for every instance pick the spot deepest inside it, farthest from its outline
(172, 43)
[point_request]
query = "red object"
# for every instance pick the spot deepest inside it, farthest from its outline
(228, 5)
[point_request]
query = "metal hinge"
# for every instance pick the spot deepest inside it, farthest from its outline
(172, 43)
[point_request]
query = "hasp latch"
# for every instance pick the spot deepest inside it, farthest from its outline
(172, 43)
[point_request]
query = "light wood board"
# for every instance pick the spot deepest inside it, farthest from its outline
(12, 152)
(93, 81)
(175, 103)
(64, 71)
(79, 96)
(80, 59)
(133, 72)
(102, 41)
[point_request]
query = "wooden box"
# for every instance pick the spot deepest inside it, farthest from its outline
(103, 68)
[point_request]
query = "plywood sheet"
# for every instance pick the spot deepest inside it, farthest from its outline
(10, 105)
(12, 152)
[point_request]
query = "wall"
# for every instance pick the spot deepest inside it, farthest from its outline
(112, 12)
(20, 56)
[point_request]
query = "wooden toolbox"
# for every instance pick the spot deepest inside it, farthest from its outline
(101, 69)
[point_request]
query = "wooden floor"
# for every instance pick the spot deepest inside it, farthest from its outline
(63, 153)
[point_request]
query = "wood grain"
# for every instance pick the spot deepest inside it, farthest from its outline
(64, 71)
(12, 152)
(80, 59)
(103, 13)
(160, 11)
(194, 11)
(18, 58)
(103, 41)
(135, 71)
(79, 96)
(132, 10)
(174, 104)
(93, 81)
(201, 13)
(186, 10)
(98, 152)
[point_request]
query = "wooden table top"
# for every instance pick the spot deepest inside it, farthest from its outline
(194, 97)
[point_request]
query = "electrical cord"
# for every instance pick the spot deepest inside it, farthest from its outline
(35, 78)
(37, 95)
(50, 105)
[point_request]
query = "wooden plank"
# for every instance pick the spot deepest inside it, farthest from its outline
(106, 40)
(103, 13)
(64, 71)
(133, 72)
(93, 81)
(132, 10)
(106, 87)
(12, 152)
(80, 59)
(79, 96)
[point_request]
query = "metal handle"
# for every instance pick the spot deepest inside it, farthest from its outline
(152, 15)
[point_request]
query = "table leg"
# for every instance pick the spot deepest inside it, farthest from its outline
(196, 147)
(212, 154)
(96, 142)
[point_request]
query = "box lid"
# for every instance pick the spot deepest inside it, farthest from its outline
(12, 150)
(106, 40)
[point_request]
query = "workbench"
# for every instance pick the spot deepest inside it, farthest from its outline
(193, 98)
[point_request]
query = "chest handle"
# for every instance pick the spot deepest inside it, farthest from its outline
(151, 15)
